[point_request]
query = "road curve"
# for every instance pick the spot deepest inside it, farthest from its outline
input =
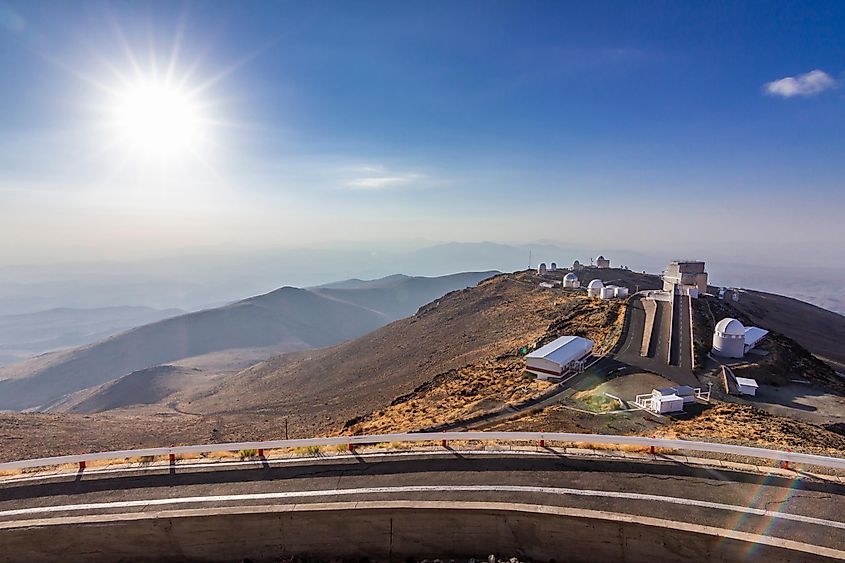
(806, 512)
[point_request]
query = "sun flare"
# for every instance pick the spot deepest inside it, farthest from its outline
(158, 119)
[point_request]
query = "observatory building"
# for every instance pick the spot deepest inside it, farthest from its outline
(733, 340)
(613, 292)
(541, 269)
(553, 267)
(570, 280)
(688, 275)
(602, 262)
(577, 266)
(594, 288)
(559, 357)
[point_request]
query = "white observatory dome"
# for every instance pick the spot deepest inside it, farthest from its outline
(730, 327)
(729, 339)
(594, 288)
(570, 280)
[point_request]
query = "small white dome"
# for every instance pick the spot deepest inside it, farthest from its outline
(570, 277)
(731, 327)
(595, 284)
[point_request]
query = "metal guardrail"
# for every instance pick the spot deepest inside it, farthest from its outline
(351, 441)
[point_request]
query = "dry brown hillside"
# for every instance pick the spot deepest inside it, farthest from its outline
(461, 348)
(819, 330)
(744, 424)
(286, 319)
(457, 357)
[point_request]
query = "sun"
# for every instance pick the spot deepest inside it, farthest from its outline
(158, 119)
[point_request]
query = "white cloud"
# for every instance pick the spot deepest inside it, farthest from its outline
(380, 178)
(808, 84)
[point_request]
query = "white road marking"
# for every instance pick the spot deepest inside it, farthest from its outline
(424, 489)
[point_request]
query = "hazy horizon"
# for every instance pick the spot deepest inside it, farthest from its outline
(204, 279)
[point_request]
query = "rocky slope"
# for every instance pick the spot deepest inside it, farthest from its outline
(290, 318)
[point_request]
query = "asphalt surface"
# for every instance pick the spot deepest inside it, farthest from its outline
(633, 332)
(684, 333)
(803, 510)
(658, 360)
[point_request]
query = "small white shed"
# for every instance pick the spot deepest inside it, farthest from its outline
(747, 386)
(607, 292)
(663, 404)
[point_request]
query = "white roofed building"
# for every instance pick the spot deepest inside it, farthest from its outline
(688, 275)
(607, 292)
(555, 359)
(571, 280)
(753, 335)
(602, 262)
(731, 339)
(746, 386)
(666, 400)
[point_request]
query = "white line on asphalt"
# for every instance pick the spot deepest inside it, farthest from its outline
(424, 489)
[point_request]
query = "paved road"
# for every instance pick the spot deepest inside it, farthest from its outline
(659, 346)
(802, 510)
(658, 358)
(633, 332)
(677, 332)
(684, 333)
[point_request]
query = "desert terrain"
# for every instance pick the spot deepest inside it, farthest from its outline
(456, 362)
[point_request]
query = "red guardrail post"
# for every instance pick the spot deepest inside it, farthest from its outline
(260, 452)
(82, 465)
(443, 443)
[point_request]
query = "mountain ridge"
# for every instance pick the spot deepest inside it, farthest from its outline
(299, 318)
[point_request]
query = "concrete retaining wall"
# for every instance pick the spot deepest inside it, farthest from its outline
(385, 530)
(650, 307)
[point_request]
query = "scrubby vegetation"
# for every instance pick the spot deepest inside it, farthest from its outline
(493, 383)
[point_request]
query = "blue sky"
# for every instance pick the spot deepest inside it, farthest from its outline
(371, 121)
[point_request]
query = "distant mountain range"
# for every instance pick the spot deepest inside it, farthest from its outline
(26, 335)
(286, 319)
(205, 279)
